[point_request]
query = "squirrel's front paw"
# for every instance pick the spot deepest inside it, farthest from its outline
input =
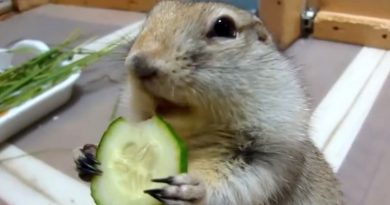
(181, 190)
(86, 163)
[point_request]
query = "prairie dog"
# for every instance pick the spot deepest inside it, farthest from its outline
(212, 71)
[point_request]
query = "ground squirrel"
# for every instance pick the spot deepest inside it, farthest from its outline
(215, 75)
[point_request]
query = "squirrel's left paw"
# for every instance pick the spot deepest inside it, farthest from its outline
(86, 163)
(181, 190)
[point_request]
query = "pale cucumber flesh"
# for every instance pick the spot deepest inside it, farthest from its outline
(133, 154)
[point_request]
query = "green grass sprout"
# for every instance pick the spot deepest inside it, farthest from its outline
(21, 83)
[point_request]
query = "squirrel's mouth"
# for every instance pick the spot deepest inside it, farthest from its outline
(163, 105)
(166, 107)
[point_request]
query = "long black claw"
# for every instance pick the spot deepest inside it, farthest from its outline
(168, 180)
(86, 164)
(88, 169)
(86, 177)
(91, 158)
(160, 196)
(155, 193)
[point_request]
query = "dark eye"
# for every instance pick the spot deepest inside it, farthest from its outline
(223, 27)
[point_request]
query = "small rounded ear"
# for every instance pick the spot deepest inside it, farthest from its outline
(262, 33)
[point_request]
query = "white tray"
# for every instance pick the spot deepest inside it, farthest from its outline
(25, 114)
(20, 117)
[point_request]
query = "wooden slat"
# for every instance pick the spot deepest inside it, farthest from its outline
(6, 16)
(22, 5)
(356, 29)
(117, 4)
(132, 5)
(283, 19)
(373, 8)
(72, 2)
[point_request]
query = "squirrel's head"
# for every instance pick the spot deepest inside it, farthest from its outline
(207, 57)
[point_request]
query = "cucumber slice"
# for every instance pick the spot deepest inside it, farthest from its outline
(133, 154)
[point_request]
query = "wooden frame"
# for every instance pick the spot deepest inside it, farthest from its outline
(283, 19)
(362, 22)
(356, 29)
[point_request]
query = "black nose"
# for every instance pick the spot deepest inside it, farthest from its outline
(142, 68)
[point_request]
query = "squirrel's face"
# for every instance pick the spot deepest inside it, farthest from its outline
(190, 55)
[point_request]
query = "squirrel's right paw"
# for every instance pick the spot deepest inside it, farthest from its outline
(86, 163)
(181, 190)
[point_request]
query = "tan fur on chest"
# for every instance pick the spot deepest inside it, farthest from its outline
(209, 169)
